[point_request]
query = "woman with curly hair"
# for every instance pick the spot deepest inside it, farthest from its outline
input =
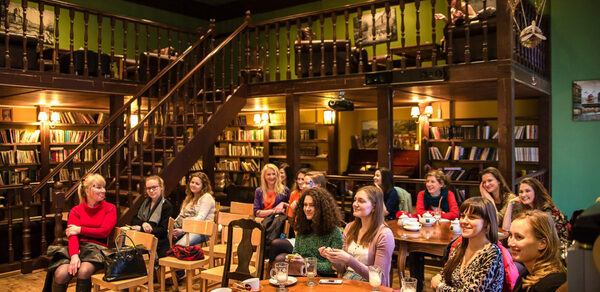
(316, 225)
(534, 242)
(272, 196)
(199, 204)
(367, 240)
(494, 187)
(534, 196)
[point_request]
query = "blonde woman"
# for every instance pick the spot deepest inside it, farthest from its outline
(272, 196)
(367, 240)
(88, 227)
(534, 242)
(154, 213)
(199, 204)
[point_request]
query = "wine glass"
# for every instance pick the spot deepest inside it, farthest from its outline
(374, 277)
(409, 285)
(280, 274)
(311, 271)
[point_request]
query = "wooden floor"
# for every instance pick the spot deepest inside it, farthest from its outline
(15, 281)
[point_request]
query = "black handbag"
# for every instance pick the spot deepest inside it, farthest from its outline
(124, 262)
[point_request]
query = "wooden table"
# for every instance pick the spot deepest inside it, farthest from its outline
(346, 286)
(431, 240)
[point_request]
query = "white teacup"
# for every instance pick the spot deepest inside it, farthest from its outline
(455, 226)
(412, 225)
(253, 282)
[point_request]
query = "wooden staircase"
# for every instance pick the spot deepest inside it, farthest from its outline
(181, 111)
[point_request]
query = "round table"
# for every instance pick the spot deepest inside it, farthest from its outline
(346, 286)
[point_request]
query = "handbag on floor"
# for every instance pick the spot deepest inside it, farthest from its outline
(123, 262)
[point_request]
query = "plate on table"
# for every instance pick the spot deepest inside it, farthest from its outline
(412, 228)
(291, 281)
(442, 220)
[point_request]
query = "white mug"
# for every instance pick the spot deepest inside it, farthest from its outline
(254, 283)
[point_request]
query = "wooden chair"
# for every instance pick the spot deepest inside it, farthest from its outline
(146, 240)
(200, 227)
(242, 208)
(223, 219)
(248, 238)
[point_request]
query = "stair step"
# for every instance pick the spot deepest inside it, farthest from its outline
(133, 177)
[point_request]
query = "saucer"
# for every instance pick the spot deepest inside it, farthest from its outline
(427, 224)
(409, 228)
(291, 281)
(442, 220)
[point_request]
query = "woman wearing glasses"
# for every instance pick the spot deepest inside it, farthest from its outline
(153, 215)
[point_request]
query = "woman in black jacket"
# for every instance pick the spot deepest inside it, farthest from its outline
(153, 215)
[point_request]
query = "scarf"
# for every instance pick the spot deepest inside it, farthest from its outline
(151, 215)
(430, 201)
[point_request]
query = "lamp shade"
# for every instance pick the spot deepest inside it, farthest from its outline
(55, 117)
(257, 118)
(414, 112)
(428, 111)
(43, 116)
(328, 117)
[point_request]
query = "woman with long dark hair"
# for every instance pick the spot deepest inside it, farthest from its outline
(476, 263)
(367, 240)
(534, 196)
(199, 204)
(534, 242)
(494, 187)
(384, 179)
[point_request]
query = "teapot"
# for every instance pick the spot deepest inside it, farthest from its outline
(402, 219)
(455, 226)
(427, 219)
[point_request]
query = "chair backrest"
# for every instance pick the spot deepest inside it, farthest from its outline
(201, 227)
(149, 242)
(242, 208)
(170, 228)
(224, 220)
(253, 238)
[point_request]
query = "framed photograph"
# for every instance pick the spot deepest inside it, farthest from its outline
(15, 20)
(6, 114)
(405, 134)
(586, 100)
(366, 26)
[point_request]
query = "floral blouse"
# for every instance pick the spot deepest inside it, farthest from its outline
(485, 272)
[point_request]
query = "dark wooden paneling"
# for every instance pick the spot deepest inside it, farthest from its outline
(385, 130)
(292, 119)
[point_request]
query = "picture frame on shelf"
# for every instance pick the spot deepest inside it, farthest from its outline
(6, 114)
(586, 100)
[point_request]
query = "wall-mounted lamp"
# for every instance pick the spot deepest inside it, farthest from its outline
(329, 117)
(415, 112)
(43, 116)
(54, 118)
(261, 119)
(134, 120)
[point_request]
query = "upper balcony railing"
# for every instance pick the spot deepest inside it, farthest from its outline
(383, 35)
(66, 38)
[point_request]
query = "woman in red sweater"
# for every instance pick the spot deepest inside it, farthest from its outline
(437, 196)
(88, 227)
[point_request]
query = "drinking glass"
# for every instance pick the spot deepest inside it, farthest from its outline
(409, 285)
(311, 271)
(374, 277)
(280, 274)
(437, 214)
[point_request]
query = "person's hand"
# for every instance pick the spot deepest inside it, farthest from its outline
(514, 201)
(297, 258)
(435, 281)
(135, 227)
(72, 230)
(323, 251)
(440, 16)
(74, 265)
(338, 256)
(484, 193)
(177, 233)
(147, 228)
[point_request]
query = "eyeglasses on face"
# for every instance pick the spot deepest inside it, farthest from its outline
(152, 188)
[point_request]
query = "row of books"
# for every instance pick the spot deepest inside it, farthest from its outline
(243, 135)
(72, 174)
(307, 134)
(526, 132)
(458, 173)
(239, 150)
(245, 179)
(527, 154)
(81, 118)
(462, 132)
(236, 165)
(278, 134)
(17, 175)
(14, 157)
(462, 153)
(70, 136)
(58, 154)
(19, 136)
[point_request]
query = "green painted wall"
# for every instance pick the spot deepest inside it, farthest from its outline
(575, 145)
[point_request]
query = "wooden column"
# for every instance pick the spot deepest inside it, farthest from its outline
(333, 147)
(292, 126)
(505, 94)
(26, 262)
(385, 130)
(115, 131)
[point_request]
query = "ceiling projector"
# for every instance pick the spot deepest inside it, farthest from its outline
(341, 104)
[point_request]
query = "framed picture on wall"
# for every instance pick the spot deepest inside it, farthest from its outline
(586, 100)
(6, 114)
(15, 20)
(366, 26)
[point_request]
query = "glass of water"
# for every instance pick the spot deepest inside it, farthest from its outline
(311, 271)
(374, 277)
(409, 285)
(437, 214)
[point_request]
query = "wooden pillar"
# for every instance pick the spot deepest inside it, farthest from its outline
(333, 155)
(385, 129)
(505, 94)
(44, 171)
(292, 126)
(59, 206)
(115, 129)
(26, 262)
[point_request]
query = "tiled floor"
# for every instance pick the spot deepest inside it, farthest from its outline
(17, 282)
